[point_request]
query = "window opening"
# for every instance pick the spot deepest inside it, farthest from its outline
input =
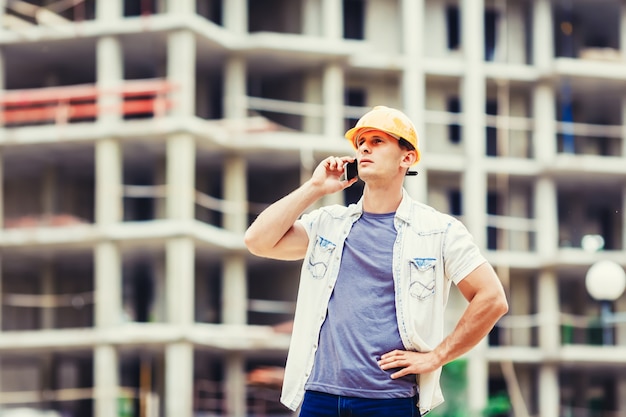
(139, 7)
(354, 19)
(453, 27)
(491, 22)
(567, 116)
(354, 97)
(492, 232)
(210, 9)
(491, 133)
(454, 129)
(455, 202)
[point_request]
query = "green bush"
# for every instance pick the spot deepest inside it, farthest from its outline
(454, 386)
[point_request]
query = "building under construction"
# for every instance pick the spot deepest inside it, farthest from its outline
(139, 138)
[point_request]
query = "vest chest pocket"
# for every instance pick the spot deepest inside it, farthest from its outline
(422, 272)
(320, 257)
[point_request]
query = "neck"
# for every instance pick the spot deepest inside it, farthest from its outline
(381, 199)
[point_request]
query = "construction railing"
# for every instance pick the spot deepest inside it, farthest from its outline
(210, 399)
(26, 311)
(21, 14)
(67, 104)
(203, 200)
(149, 401)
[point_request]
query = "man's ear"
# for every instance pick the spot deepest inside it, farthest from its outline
(409, 158)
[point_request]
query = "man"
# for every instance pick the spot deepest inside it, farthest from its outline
(368, 330)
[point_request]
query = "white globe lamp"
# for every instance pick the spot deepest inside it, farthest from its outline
(605, 280)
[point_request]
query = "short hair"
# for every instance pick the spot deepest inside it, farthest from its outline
(405, 144)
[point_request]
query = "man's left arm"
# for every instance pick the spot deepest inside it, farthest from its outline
(487, 303)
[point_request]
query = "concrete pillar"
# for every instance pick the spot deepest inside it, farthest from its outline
(333, 114)
(180, 272)
(330, 199)
(108, 279)
(332, 18)
(109, 206)
(312, 94)
(549, 343)
(548, 309)
(549, 394)
(311, 18)
(108, 10)
(543, 42)
(235, 106)
(234, 290)
(235, 16)
(234, 312)
(544, 115)
(108, 311)
(106, 381)
(180, 205)
(235, 192)
(543, 95)
(108, 151)
(181, 6)
(474, 182)
(179, 380)
(181, 71)
(477, 380)
(414, 86)
(181, 167)
(333, 101)
(546, 218)
(235, 385)
(110, 76)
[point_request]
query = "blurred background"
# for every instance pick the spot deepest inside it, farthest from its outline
(139, 138)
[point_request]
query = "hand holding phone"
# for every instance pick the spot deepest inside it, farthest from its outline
(350, 171)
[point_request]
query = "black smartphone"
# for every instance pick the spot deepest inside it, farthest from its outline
(350, 171)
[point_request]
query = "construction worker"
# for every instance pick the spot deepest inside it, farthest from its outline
(368, 336)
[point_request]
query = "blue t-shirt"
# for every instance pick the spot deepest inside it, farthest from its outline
(361, 323)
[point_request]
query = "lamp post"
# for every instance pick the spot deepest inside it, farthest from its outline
(605, 282)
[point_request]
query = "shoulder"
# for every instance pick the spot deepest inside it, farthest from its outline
(424, 218)
(327, 215)
(334, 211)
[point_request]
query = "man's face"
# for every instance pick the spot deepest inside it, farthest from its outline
(379, 155)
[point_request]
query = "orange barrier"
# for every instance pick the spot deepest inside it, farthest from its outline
(72, 103)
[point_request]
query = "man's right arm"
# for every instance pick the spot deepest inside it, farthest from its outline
(275, 233)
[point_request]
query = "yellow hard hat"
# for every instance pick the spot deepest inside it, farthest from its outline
(388, 120)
